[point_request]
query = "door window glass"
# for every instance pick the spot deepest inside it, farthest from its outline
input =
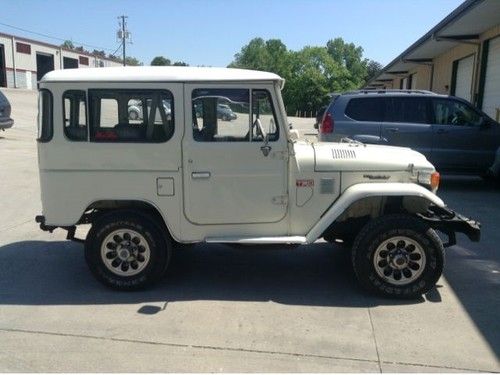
(413, 110)
(221, 115)
(263, 117)
(366, 109)
(452, 112)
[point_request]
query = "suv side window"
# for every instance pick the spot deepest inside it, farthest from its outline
(454, 112)
(366, 109)
(402, 109)
(221, 115)
(75, 115)
(145, 116)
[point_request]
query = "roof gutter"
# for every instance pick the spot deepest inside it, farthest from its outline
(431, 34)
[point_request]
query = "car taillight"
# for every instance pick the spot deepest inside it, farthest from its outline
(327, 123)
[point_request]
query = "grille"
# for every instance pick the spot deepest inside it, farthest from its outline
(343, 154)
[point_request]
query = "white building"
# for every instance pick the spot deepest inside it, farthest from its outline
(24, 61)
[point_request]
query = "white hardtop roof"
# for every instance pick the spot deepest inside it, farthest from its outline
(158, 74)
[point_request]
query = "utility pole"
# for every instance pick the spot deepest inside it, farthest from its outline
(123, 34)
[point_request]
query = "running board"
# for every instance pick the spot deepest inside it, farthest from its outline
(258, 240)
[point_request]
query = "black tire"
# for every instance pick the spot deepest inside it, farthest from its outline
(383, 229)
(158, 248)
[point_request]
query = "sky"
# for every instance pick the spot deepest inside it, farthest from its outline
(211, 32)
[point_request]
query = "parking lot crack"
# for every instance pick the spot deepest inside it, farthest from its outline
(375, 341)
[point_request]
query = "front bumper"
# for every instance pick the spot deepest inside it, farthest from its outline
(449, 222)
(6, 123)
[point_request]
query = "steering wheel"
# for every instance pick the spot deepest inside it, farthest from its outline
(260, 129)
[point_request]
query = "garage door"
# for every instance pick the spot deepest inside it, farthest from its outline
(463, 80)
(491, 98)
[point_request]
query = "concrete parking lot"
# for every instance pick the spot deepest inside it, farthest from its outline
(234, 309)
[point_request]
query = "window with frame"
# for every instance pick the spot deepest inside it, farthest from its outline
(45, 116)
(23, 48)
(366, 109)
(454, 112)
(145, 116)
(264, 122)
(403, 109)
(221, 115)
(75, 115)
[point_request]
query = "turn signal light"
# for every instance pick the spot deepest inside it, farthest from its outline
(435, 177)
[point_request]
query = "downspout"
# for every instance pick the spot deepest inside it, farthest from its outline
(14, 61)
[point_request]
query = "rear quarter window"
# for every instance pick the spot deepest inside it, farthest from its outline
(366, 109)
(45, 116)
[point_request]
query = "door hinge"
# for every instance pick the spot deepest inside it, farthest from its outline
(280, 155)
(280, 200)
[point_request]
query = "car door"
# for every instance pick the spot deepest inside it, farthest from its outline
(228, 176)
(406, 123)
(460, 141)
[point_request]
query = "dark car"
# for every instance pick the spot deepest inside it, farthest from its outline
(224, 111)
(5, 120)
(454, 136)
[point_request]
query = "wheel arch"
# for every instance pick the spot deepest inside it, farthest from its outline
(370, 200)
(101, 207)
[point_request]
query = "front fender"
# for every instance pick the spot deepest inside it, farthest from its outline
(364, 190)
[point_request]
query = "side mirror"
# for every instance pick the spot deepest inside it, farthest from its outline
(485, 123)
(294, 134)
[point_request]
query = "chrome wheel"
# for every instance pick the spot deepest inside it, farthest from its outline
(399, 260)
(125, 252)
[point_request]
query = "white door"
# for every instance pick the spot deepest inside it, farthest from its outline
(463, 83)
(491, 98)
(228, 178)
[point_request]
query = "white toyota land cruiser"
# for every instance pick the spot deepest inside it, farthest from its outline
(146, 183)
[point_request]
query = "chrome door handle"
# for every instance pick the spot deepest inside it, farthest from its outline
(200, 175)
(393, 130)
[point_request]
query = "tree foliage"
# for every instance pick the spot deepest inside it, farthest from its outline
(160, 61)
(312, 73)
(163, 61)
(132, 61)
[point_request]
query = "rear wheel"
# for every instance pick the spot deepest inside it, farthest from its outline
(398, 256)
(127, 251)
(133, 115)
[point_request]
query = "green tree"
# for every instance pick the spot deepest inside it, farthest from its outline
(311, 73)
(180, 63)
(132, 61)
(349, 56)
(160, 61)
(68, 44)
(373, 69)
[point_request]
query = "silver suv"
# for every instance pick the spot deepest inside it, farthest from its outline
(453, 135)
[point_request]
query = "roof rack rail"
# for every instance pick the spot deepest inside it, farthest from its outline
(384, 91)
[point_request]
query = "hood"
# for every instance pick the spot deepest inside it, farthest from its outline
(360, 157)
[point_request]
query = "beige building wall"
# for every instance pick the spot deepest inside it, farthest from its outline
(443, 65)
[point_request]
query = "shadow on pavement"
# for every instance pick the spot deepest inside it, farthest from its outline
(55, 273)
(473, 269)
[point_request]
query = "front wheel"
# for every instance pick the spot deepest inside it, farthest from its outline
(398, 256)
(127, 251)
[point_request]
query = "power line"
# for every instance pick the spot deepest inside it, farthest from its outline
(54, 37)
